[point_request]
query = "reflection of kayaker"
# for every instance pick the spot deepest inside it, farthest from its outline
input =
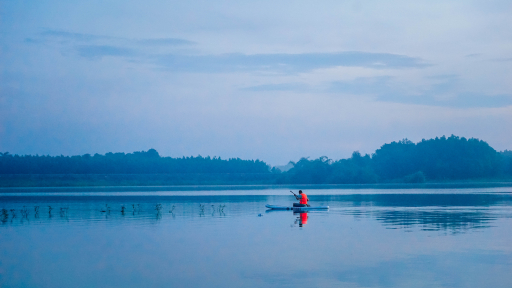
(303, 219)
(303, 199)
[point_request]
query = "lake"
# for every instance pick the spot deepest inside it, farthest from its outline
(368, 238)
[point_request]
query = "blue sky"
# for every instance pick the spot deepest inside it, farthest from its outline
(251, 79)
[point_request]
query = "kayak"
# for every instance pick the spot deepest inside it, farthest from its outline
(275, 207)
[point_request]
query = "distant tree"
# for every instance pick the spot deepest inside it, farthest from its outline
(139, 162)
(418, 177)
(355, 170)
(395, 160)
(310, 171)
(506, 162)
(439, 158)
(436, 159)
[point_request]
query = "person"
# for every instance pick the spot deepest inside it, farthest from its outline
(303, 200)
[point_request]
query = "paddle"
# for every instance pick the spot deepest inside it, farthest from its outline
(296, 197)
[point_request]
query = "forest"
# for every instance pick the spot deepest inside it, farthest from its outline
(143, 162)
(434, 160)
(439, 159)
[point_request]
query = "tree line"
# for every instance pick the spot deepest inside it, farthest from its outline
(143, 162)
(439, 159)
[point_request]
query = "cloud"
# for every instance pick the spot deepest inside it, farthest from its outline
(501, 60)
(103, 39)
(97, 46)
(99, 51)
(165, 41)
(299, 87)
(73, 36)
(284, 63)
(461, 100)
(445, 93)
(359, 86)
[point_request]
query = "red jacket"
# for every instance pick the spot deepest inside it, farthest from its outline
(304, 199)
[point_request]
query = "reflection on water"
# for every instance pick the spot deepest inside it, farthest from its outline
(436, 220)
(363, 240)
(453, 212)
(50, 209)
(302, 219)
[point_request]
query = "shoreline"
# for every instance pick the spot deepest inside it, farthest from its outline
(448, 185)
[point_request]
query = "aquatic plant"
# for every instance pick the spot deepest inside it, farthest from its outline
(5, 215)
(122, 209)
(107, 209)
(172, 209)
(158, 207)
(24, 212)
(13, 212)
(221, 210)
(201, 207)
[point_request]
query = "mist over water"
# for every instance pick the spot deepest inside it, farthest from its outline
(368, 238)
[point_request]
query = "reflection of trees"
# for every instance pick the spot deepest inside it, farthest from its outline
(419, 200)
(426, 211)
(436, 220)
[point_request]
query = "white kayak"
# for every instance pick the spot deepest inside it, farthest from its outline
(275, 207)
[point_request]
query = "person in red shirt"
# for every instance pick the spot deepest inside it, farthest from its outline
(303, 200)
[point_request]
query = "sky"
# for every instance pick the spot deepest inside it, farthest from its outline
(268, 80)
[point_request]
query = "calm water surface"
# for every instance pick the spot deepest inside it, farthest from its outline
(368, 238)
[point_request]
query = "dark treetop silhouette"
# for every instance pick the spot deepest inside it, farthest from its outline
(439, 159)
